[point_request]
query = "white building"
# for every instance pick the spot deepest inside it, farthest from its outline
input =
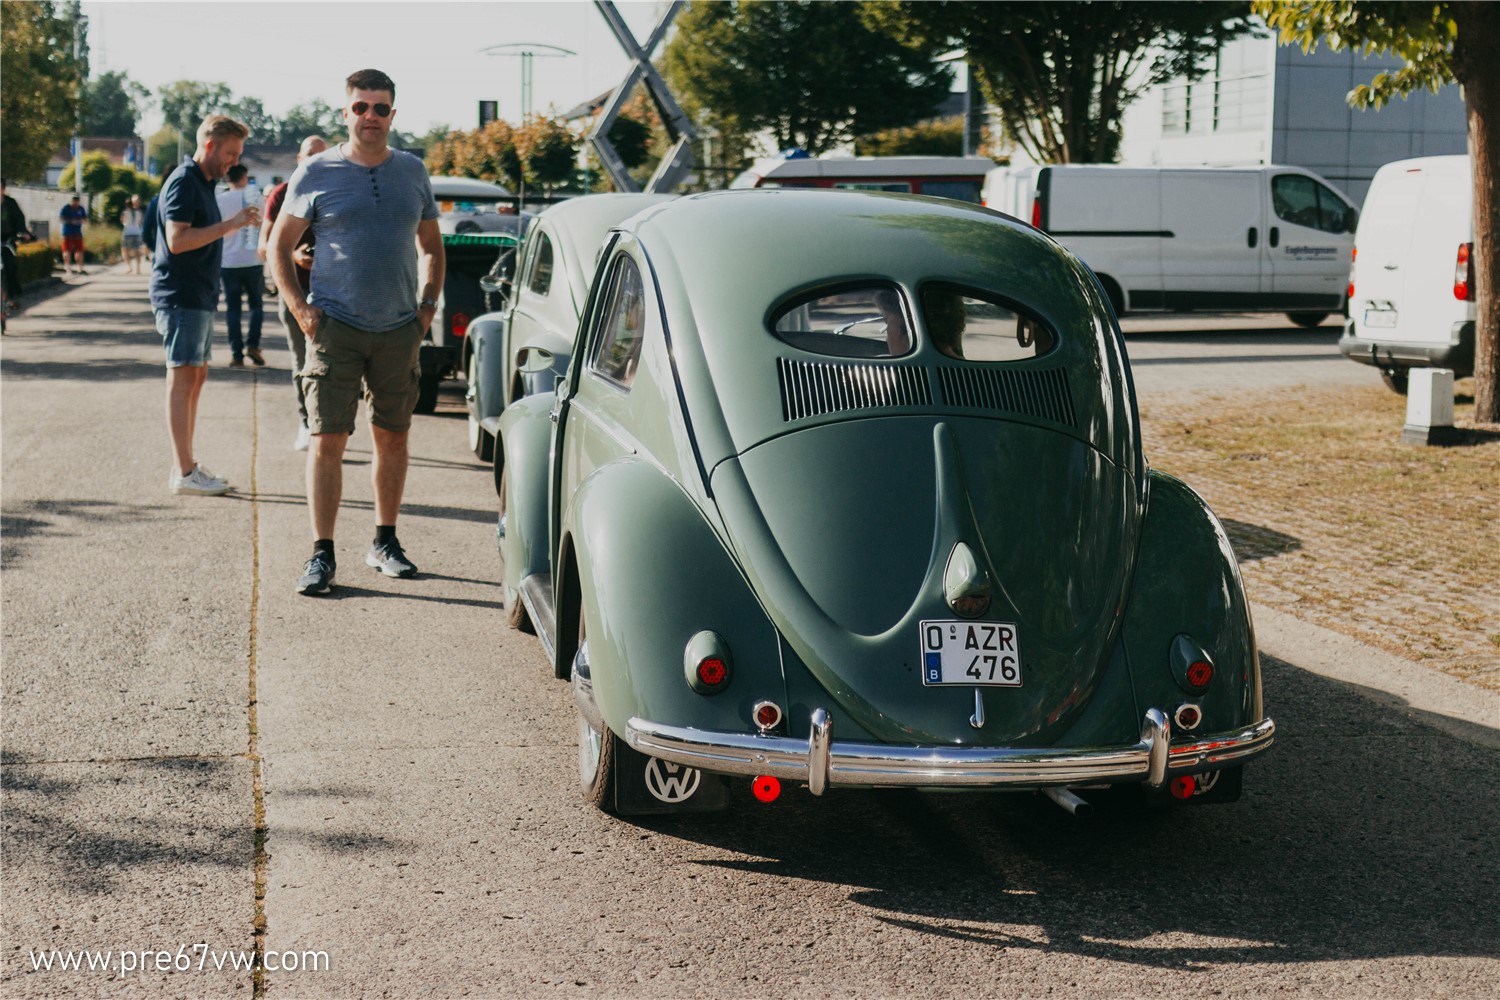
(1267, 103)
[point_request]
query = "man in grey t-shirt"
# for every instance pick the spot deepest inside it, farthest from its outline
(369, 303)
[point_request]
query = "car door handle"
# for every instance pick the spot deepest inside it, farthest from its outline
(1393, 267)
(1253, 238)
(1275, 236)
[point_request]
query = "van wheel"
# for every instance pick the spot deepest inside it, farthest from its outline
(1307, 319)
(1395, 379)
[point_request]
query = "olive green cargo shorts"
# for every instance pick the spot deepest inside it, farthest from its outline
(340, 357)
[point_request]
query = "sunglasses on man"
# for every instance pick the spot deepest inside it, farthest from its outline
(381, 110)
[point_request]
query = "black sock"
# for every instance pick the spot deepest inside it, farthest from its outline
(324, 546)
(384, 533)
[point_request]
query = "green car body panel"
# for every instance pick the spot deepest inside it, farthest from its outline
(740, 485)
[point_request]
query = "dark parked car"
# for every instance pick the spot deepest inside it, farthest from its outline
(847, 489)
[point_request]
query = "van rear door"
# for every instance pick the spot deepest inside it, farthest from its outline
(1111, 218)
(1311, 232)
(1213, 245)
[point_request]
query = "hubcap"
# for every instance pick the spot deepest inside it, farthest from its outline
(589, 741)
(471, 396)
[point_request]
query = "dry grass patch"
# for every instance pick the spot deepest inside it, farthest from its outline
(1338, 522)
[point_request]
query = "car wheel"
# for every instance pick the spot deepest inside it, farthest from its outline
(480, 441)
(1307, 319)
(597, 748)
(427, 391)
(1395, 379)
(515, 609)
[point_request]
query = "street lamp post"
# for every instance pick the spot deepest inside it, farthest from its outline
(527, 52)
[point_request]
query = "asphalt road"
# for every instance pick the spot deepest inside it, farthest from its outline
(391, 773)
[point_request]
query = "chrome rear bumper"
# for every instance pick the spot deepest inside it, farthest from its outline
(820, 761)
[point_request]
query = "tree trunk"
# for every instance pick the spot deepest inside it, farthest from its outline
(1477, 41)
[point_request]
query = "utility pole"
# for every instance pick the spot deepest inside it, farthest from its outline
(80, 23)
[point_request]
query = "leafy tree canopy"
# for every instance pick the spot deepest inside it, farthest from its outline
(942, 137)
(814, 75)
(114, 103)
(40, 100)
(98, 174)
(185, 103)
(1061, 73)
(547, 151)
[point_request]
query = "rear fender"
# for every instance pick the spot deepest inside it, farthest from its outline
(486, 339)
(651, 575)
(1187, 582)
(526, 437)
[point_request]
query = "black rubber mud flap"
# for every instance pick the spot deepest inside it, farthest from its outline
(646, 786)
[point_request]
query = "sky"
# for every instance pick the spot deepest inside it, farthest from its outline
(288, 53)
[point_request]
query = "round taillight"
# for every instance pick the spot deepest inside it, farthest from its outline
(1183, 786)
(767, 715)
(1199, 673)
(712, 672)
(459, 324)
(1188, 716)
(765, 788)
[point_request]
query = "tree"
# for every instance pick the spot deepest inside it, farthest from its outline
(547, 151)
(1061, 73)
(98, 176)
(1439, 43)
(812, 74)
(250, 112)
(40, 100)
(940, 137)
(164, 146)
(185, 103)
(113, 106)
(316, 117)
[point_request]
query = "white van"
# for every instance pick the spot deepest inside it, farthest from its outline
(1411, 283)
(1214, 239)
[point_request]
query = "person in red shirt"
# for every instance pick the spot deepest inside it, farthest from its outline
(302, 257)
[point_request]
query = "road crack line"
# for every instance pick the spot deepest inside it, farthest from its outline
(258, 976)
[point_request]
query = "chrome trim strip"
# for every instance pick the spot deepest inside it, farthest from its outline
(819, 761)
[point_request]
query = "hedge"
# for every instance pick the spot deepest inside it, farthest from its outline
(34, 261)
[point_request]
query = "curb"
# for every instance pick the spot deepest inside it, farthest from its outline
(1462, 710)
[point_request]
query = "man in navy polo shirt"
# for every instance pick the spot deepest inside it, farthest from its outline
(185, 286)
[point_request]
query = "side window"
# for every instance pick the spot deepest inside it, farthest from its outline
(540, 278)
(974, 326)
(1302, 201)
(869, 321)
(622, 325)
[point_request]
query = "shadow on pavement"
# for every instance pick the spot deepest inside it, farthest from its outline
(1252, 542)
(1362, 834)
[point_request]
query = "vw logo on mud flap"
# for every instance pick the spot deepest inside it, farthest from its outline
(671, 783)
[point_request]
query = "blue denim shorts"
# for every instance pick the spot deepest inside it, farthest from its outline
(186, 334)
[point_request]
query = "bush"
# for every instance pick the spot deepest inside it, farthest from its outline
(34, 261)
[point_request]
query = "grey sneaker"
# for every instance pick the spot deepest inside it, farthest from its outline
(317, 575)
(390, 560)
(198, 483)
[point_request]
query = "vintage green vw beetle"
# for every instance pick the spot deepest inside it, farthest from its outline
(846, 488)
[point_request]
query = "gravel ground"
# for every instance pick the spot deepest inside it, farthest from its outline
(1340, 524)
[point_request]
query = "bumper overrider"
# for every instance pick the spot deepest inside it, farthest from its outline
(819, 760)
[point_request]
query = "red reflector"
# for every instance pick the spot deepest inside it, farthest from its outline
(1036, 213)
(1463, 274)
(767, 715)
(459, 324)
(1199, 673)
(972, 606)
(712, 671)
(766, 788)
(1182, 787)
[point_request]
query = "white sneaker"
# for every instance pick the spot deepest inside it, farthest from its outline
(199, 483)
(304, 439)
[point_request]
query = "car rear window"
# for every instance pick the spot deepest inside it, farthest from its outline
(864, 321)
(976, 326)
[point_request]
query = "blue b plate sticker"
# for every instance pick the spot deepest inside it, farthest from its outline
(983, 654)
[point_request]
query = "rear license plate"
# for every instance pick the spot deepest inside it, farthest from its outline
(1384, 319)
(971, 653)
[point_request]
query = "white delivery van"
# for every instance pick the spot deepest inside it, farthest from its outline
(1212, 239)
(1411, 282)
